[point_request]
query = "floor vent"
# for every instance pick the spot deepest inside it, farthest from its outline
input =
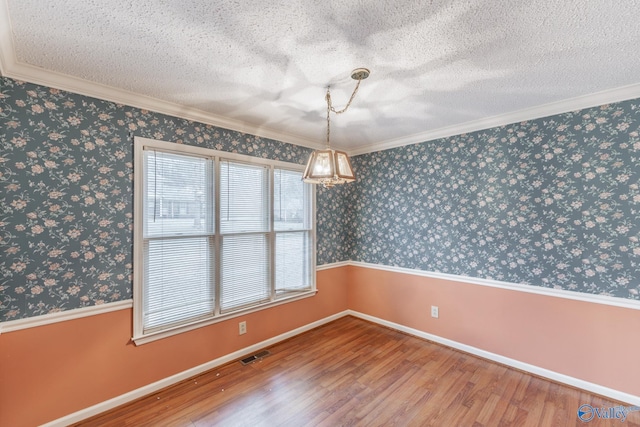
(257, 356)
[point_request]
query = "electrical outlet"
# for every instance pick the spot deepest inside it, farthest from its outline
(434, 311)
(242, 328)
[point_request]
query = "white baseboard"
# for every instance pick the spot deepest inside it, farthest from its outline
(542, 372)
(158, 385)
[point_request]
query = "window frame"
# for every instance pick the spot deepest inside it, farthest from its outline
(140, 145)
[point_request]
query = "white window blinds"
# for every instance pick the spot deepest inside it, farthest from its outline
(178, 239)
(216, 234)
(245, 226)
(292, 224)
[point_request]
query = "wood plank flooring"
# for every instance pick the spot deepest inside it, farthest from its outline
(354, 373)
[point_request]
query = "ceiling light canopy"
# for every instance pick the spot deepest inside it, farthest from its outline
(331, 167)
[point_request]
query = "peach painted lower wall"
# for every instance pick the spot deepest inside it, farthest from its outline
(588, 341)
(51, 371)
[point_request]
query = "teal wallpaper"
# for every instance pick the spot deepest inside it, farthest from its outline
(66, 202)
(553, 202)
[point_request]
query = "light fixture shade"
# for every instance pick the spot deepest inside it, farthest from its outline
(328, 168)
(319, 166)
(343, 166)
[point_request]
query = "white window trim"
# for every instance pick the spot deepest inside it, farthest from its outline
(139, 337)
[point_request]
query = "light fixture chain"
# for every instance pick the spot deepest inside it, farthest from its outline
(330, 108)
(353, 95)
(328, 97)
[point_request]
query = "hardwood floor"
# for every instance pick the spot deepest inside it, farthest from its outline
(352, 372)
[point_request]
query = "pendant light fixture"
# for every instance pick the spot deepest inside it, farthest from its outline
(331, 167)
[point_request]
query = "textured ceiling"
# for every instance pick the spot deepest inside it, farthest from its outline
(437, 67)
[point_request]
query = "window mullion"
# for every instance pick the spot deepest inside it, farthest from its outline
(272, 236)
(217, 277)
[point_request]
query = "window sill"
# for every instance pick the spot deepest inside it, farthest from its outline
(147, 338)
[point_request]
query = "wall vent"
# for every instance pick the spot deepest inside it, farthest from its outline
(257, 356)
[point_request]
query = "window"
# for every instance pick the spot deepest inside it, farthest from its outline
(215, 235)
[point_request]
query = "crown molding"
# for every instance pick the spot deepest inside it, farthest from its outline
(11, 67)
(609, 96)
(36, 75)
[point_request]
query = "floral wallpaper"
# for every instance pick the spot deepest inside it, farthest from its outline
(66, 202)
(334, 213)
(553, 202)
